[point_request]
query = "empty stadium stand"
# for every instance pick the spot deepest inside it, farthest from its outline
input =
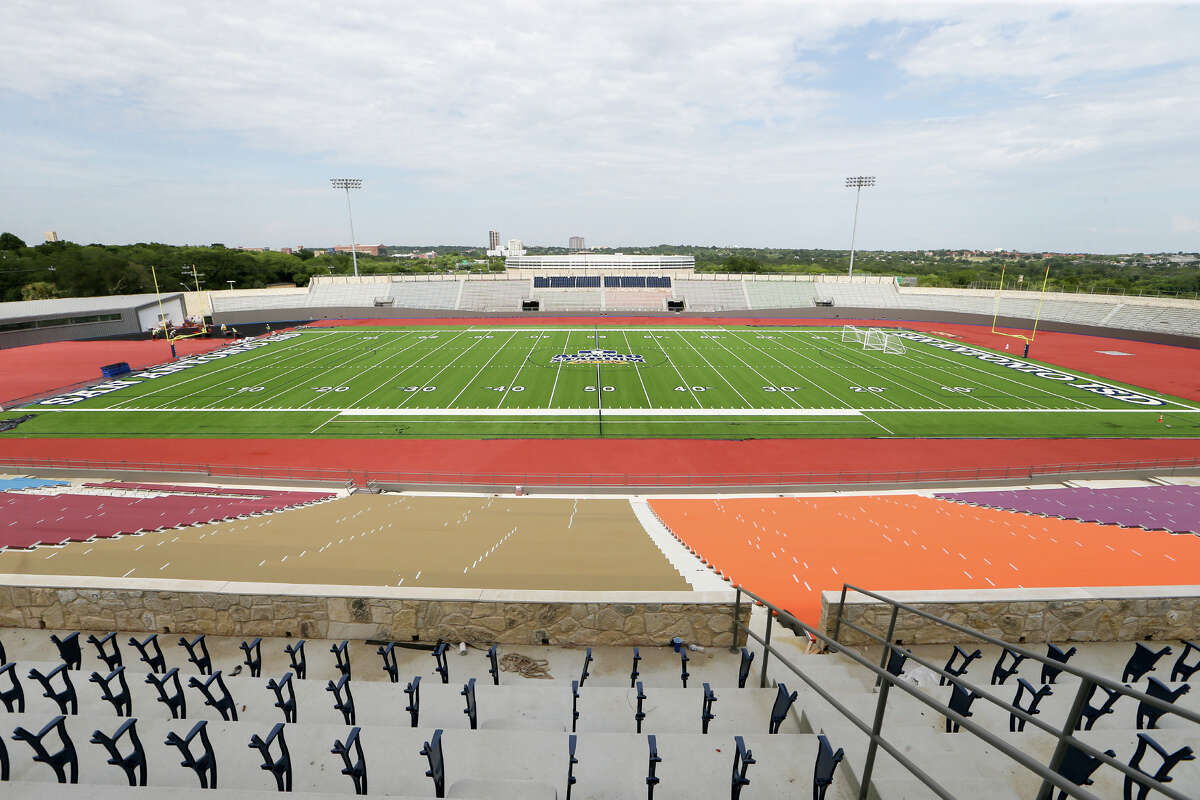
(28, 519)
(425, 294)
(712, 295)
(260, 715)
(493, 295)
(1170, 508)
(781, 294)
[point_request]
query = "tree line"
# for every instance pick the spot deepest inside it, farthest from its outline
(67, 269)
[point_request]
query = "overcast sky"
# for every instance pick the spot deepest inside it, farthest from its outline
(1031, 126)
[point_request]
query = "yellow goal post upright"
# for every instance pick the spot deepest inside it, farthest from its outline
(162, 317)
(1028, 339)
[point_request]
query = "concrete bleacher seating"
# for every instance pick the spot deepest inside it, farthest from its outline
(517, 750)
(425, 294)
(568, 300)
(1172, 508)
(343, 295)
(781, 294)
(636, 299)
(493, 295)
(711, 295)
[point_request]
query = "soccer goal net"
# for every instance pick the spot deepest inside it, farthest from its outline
(877, 339)
(850, 333)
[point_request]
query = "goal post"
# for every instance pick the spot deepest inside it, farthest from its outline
(883, 341)
(852, 333)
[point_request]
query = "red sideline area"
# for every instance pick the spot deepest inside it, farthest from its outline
(517, 460)
(42, 368)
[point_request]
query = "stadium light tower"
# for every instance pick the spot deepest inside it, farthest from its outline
(857, 184)
(348, 184)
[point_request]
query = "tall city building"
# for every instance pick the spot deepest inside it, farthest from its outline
(493, 240)
(51, 236)
(576, 245)
(515, 247)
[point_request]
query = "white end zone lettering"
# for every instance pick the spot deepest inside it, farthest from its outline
(243, 346)
(1039, 371)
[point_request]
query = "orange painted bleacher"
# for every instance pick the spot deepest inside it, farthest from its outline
(789, 550)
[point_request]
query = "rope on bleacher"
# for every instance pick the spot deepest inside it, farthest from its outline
(526, 666)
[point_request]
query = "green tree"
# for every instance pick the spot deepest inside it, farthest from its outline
(38, 290)
(10, 241)
(741, 263)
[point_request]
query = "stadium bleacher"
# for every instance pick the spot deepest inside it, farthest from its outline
(712, 295)
(425, 294)
(504, 295)
(781, 294)
(31, 519)
(1170, 508)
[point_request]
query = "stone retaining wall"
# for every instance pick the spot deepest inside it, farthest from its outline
(342, 612)
(1099, 614)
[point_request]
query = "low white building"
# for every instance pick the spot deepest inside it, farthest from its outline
(599, 264)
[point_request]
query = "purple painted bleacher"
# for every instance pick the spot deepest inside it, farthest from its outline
(30, 519)
(1170, 508)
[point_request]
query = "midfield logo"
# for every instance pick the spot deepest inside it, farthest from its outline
(597, 356)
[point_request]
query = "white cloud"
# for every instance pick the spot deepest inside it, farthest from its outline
(702, 102)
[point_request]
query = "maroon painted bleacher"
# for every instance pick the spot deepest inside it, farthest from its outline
(30, 519)
(169, 488)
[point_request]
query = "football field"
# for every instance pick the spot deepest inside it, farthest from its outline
(695, 382)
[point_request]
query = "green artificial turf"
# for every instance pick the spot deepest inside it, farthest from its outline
(720, 382)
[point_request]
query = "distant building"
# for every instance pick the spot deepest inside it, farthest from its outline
(493, 240)
(51, 236)
(575, 244)
(287, 250)
(515, 248)
(361, 249)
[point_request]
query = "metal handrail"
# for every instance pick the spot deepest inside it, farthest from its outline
(1064, 735)
(1049, 775)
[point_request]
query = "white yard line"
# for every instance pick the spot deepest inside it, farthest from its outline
(720, 374)
(1147, 410)
(791, 369)
(235, 364)
(302, 381)
(323, 424)
(467, 385)
(965, 364)
(363, 372)
(686, 385)
(637, 369)
(558, 371)
(882, 376)
(909, 351)
(508, 388)
(413, 364)
(756, 372)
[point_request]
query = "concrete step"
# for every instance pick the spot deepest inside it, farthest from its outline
(528, 706)
(659, 666)
(610, 765)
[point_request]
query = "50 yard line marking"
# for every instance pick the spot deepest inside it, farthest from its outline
(637, 369)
